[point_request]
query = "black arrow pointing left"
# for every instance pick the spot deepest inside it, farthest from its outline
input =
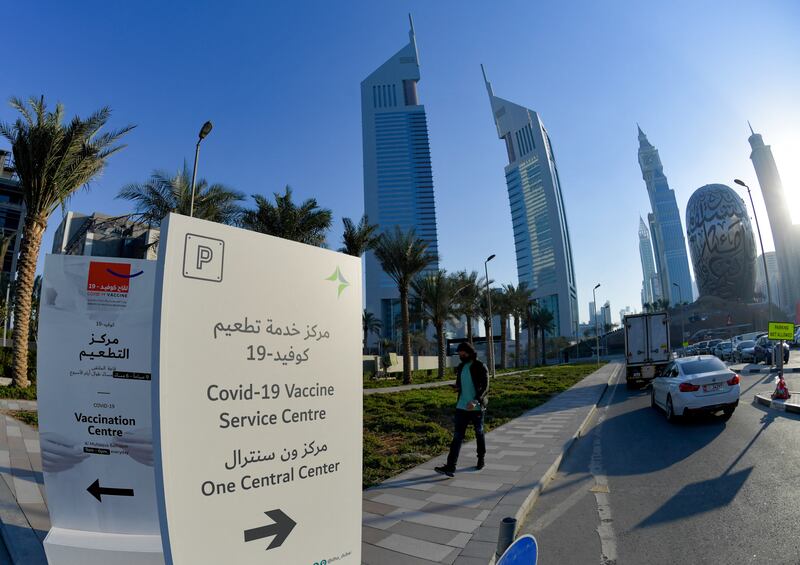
(97, 491)
(282, 527)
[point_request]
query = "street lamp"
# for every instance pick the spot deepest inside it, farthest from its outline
(683, 312)
(761, 243)
(490, 337)
(596, 332)
(204, 131)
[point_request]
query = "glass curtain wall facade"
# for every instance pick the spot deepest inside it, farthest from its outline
(541, 234)
(669, 241)
(398, 178)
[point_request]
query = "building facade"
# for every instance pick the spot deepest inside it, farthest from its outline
(541, 233)
(785, 235)
(101, 235)
(651, 288)
(398, 178)
(12, 216)
(666, 230)
(774, 277)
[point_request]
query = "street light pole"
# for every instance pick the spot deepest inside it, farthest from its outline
(204, 131)
(683, 313)
(490, 337)
(761, 243)
(596, 332)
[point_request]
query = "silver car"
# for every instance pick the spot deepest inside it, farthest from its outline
(744, 352)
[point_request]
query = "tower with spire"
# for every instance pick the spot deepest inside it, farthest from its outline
(785, 234)
(398, 179)
(541, 233)
(666, 228)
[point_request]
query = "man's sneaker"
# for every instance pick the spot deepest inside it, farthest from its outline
(480, 464)
(445, 470)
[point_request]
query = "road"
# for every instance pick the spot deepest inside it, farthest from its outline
(638, 490)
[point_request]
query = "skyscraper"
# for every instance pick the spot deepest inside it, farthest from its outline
(649, 277)
(669, 241)
(541, 234)
(774, 277)
(785, 235)
(398, 180)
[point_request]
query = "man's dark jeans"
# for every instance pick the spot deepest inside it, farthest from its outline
(463, 419)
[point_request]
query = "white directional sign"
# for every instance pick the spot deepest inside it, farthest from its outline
(258, 398)
(94, 391)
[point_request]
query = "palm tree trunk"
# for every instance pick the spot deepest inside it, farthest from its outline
(441, 349)
(535, 345)
(530, 342)
(503, 339)
(26, 269)
(516, 342)
(469, 329)
(406, 335)
(364, 345)
(544, 349)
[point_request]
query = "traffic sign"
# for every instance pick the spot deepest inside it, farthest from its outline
(781, 330)
(524, 551)
(258, 419)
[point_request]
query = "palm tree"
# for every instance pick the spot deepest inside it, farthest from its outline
(472, 284)
(438, 293)
(533, 329)
(403, 256)
(502, 306)
(544, 321)
(306, 223)
(358, 239)
(370, 324)
(52, 161)
(164, 193)
(519, 297)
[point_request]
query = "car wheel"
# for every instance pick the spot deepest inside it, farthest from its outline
(670, 412)
(653, 398)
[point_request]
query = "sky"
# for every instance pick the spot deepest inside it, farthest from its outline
(280, 82)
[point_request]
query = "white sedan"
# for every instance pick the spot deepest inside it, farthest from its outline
(701, 383)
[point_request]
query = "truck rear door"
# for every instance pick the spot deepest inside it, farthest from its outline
(659, 338)
(636, 339)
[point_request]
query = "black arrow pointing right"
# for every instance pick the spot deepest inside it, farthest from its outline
(282, 527)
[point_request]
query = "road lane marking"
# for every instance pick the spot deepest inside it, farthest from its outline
(605, 530)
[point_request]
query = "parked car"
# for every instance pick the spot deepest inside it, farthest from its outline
(724, 350)
(695, 384)
(764, 349)
(796, 342)
(744, 351)
(710, 345)
(697, 348)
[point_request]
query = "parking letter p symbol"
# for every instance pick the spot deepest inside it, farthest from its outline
(204, 255)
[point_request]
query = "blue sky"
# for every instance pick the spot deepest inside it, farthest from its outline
(280, 81)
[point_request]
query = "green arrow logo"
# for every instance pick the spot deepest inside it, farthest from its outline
(338, 278)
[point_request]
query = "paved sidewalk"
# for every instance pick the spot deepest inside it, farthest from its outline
(419, 517)
(24, 519)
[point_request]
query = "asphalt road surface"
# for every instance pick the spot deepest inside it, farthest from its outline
(638, 490)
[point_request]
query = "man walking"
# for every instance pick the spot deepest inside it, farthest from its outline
(472, 386)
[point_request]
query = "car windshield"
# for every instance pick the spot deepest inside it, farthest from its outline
(745, 344)
(702, 366)
(725, 345)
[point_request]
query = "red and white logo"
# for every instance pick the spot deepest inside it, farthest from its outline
(109, 277)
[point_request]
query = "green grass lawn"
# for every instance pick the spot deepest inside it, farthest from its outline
(419, 377)
(16, 393)
(27, 416)
(404, 429)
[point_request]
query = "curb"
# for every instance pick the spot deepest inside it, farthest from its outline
(780, 405)
(770, 370)
(533, 496)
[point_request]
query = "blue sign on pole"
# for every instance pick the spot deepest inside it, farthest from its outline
(523, 551)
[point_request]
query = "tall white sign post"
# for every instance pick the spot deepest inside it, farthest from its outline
(257, 398)
(94, 391)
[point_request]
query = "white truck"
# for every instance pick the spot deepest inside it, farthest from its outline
(647, 347)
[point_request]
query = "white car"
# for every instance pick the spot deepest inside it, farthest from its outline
(701, 383)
